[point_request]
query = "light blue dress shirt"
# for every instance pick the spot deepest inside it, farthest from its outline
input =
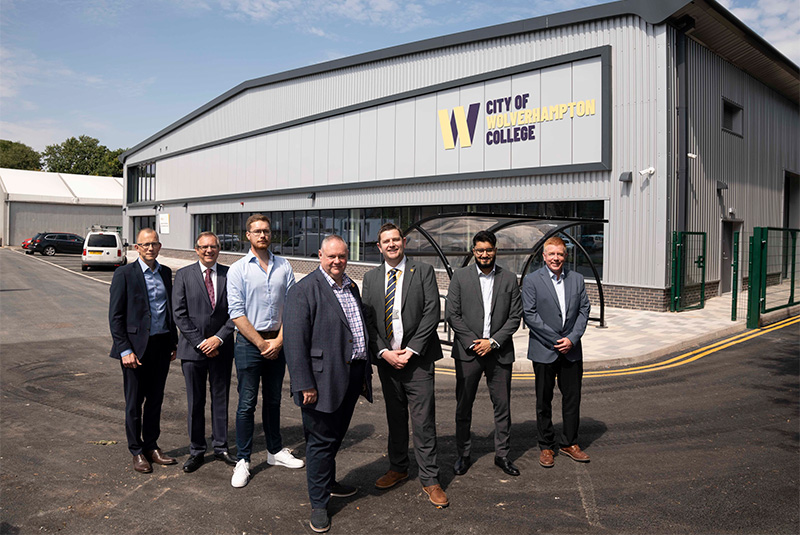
(259, 294)
(157, 299)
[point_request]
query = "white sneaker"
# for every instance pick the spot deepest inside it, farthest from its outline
(241, 474)
(285, 458)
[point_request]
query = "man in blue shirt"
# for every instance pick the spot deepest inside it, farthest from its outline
(257, 286)
(144, 340)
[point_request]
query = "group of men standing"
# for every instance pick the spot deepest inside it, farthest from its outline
(329, 337)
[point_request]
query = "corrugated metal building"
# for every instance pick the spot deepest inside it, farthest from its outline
(655, 116)
(35, 201)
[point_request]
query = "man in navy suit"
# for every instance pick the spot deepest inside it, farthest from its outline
(556, 310)
(144, 340)
(327, 353)
(205, 347)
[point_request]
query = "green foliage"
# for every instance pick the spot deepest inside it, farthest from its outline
(82, 156)
(16, 155)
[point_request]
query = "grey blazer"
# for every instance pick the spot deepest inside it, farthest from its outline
(420, 310)
(193, 314)
(464, 312)
(542, 314)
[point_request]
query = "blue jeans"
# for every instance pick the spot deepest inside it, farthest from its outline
(251, 370)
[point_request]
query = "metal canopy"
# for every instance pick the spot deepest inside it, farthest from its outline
(520, 239)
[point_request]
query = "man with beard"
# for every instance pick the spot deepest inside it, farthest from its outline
(328, 356)
(556, 310)
(257, 286)
(484, 310)
(402, 303)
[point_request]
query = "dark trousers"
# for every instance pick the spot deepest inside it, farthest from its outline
(215, 371)
(324, 434)
(415, 392)
(253, 370)
(144, 393)
(498, 379)
(569, 375)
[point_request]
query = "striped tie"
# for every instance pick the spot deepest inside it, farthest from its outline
(391, 286)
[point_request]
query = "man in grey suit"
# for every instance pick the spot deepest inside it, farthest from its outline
(401, 299)
(484, 310)
(556, 310)
(200, 306)
(327, 353)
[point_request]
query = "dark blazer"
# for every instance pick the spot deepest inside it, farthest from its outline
(194, 316)
(129, 310)
(543, 315)
(464, 312)
(318, 343)
(420, 311)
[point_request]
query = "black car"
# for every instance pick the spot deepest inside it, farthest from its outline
(50, 243)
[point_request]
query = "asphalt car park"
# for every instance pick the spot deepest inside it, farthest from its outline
(72, 262)
(707, 444)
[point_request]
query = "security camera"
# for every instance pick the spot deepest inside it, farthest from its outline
(648, 171)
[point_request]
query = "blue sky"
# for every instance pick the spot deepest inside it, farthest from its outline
(120, 70)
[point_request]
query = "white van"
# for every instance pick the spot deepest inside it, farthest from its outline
(103, 248)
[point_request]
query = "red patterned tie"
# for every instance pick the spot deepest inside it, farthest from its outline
(210, 288)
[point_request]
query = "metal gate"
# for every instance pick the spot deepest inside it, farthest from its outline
(774, 281)
(688, 271)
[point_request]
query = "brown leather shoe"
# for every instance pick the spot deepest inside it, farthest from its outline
(140, 464)
(574, 452)
(436, 495)
(157, 456)
(546, 458)
(390, 479)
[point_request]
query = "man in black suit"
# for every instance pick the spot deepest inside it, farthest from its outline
(326, 347)
(401, 299)
(144, 340)
(484, 309)
(205, 347)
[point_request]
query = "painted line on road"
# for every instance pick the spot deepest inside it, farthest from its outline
(62, 267)
(673, 362)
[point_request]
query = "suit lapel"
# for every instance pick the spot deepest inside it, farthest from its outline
(197, 273)
(222, 282)
(411, 269)
(548, 283)
(138, 276)
(496, 284)
(327, 291)
(475, 282)
(567, 291)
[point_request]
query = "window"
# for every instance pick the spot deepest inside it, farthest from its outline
(142, 182)
(732, 117)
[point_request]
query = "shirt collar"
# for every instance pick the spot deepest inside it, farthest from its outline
(481, 274)
(346, 282)
(145, 267)
(401, 267)
(555, 277)
(251, 255)
(203, 268)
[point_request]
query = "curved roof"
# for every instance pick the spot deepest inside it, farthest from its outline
(714, 26)
(60, 188)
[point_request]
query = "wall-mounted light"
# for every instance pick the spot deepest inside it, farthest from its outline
(691, 155)
(312, 195)
(626, 176)
(721, 186)
(160, 207)
(648, 172)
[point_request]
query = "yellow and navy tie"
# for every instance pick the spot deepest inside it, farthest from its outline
(391, 286)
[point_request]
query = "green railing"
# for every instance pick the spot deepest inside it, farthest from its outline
(773, 280)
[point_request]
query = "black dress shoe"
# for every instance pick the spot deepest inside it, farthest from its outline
(225, 456)
(462, 465)
(506, 466)
(193, 463)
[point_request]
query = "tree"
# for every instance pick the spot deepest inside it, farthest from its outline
(111, 164)
(16, 155)
(81, 156)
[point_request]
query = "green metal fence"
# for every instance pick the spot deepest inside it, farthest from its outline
(688, 271)
(774, 263)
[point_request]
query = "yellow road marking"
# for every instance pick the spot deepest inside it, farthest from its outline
(673, 362)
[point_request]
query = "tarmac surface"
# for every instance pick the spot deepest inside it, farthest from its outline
(703, 439)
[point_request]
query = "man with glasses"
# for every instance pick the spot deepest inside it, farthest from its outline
(484, 309)
(200, 306)
(257, 286)
(144, 340)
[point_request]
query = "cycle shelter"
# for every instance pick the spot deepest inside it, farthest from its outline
(445, 240)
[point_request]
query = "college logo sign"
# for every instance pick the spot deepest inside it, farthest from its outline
(458, 125)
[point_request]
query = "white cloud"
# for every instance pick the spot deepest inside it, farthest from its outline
(777, 21)
(37, 133)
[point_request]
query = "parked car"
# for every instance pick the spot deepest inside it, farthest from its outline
(103, 249)
(25, 243)
(33, 241)
(50, 243)
(592, 242)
